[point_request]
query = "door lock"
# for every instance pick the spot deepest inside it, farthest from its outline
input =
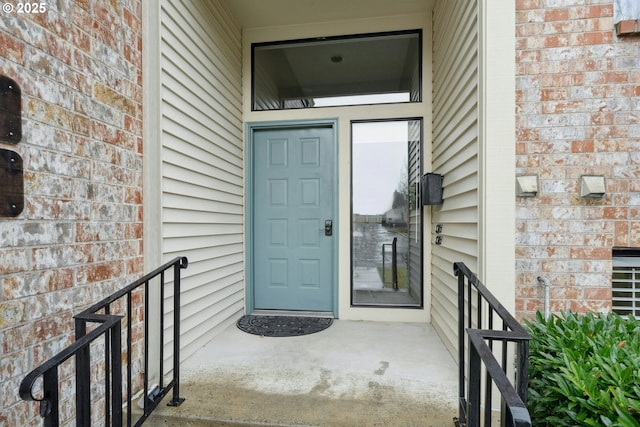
(328, 228)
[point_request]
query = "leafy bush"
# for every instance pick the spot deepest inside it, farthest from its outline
(584, 370)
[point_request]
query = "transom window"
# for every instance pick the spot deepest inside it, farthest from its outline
(331, 71)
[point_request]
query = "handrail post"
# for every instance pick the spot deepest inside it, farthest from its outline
(145, 389)
(384, 268)
(49, 405)
(116, 375)
(83, 375)
(461, 350)
(394, 263)
(523, 375)
(473, 405)
(176, 399)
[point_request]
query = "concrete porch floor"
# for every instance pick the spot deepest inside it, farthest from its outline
(351, 374)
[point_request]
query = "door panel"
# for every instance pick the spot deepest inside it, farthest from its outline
(293, 196)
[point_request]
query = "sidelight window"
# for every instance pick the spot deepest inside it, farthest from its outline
(386, 224)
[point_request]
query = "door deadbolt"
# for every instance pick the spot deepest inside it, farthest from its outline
(328, 228)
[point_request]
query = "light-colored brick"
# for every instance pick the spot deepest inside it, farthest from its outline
(579, 121)
(79, 68)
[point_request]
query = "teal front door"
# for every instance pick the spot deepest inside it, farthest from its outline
(294, 178)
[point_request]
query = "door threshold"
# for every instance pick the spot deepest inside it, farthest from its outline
(293, 313)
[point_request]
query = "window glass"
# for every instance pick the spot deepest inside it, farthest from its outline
(625, 10)
(331, 71)
(386, 226)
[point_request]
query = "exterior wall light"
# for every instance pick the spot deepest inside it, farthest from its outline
(592, 187)
(526, 185)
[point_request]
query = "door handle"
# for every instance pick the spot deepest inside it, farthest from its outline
(328, 228)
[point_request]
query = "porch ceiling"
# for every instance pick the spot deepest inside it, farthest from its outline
(267, 13)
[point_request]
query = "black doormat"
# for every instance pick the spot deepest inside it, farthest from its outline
(282, 326)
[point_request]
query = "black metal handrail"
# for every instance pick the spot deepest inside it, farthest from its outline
(109, 326)
(394, 262)
(482, 361)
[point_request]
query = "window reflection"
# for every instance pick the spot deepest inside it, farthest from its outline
(332, 71)
(626, 10)
(386, 241)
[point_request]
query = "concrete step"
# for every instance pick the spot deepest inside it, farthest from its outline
(351, 374)
(227, 405)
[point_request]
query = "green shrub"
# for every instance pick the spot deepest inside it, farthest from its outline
(584, 370)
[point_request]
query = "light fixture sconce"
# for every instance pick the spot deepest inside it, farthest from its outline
(526, 185)
(592, 187)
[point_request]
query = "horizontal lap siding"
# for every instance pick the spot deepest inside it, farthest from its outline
(455, 155)
(202, 161)
(415, 229)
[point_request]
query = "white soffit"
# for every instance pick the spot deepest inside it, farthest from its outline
(268, 13)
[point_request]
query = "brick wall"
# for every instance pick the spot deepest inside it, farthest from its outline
(80, 234)
(578, 112)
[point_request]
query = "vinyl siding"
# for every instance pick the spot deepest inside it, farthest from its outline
(454, 154)
(202, 164)
(415, 229)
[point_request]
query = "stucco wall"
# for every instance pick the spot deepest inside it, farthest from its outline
(80, 234)
(578, 112)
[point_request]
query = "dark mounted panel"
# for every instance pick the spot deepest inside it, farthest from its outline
(10, 111)
(432, 189)
(12, 187)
